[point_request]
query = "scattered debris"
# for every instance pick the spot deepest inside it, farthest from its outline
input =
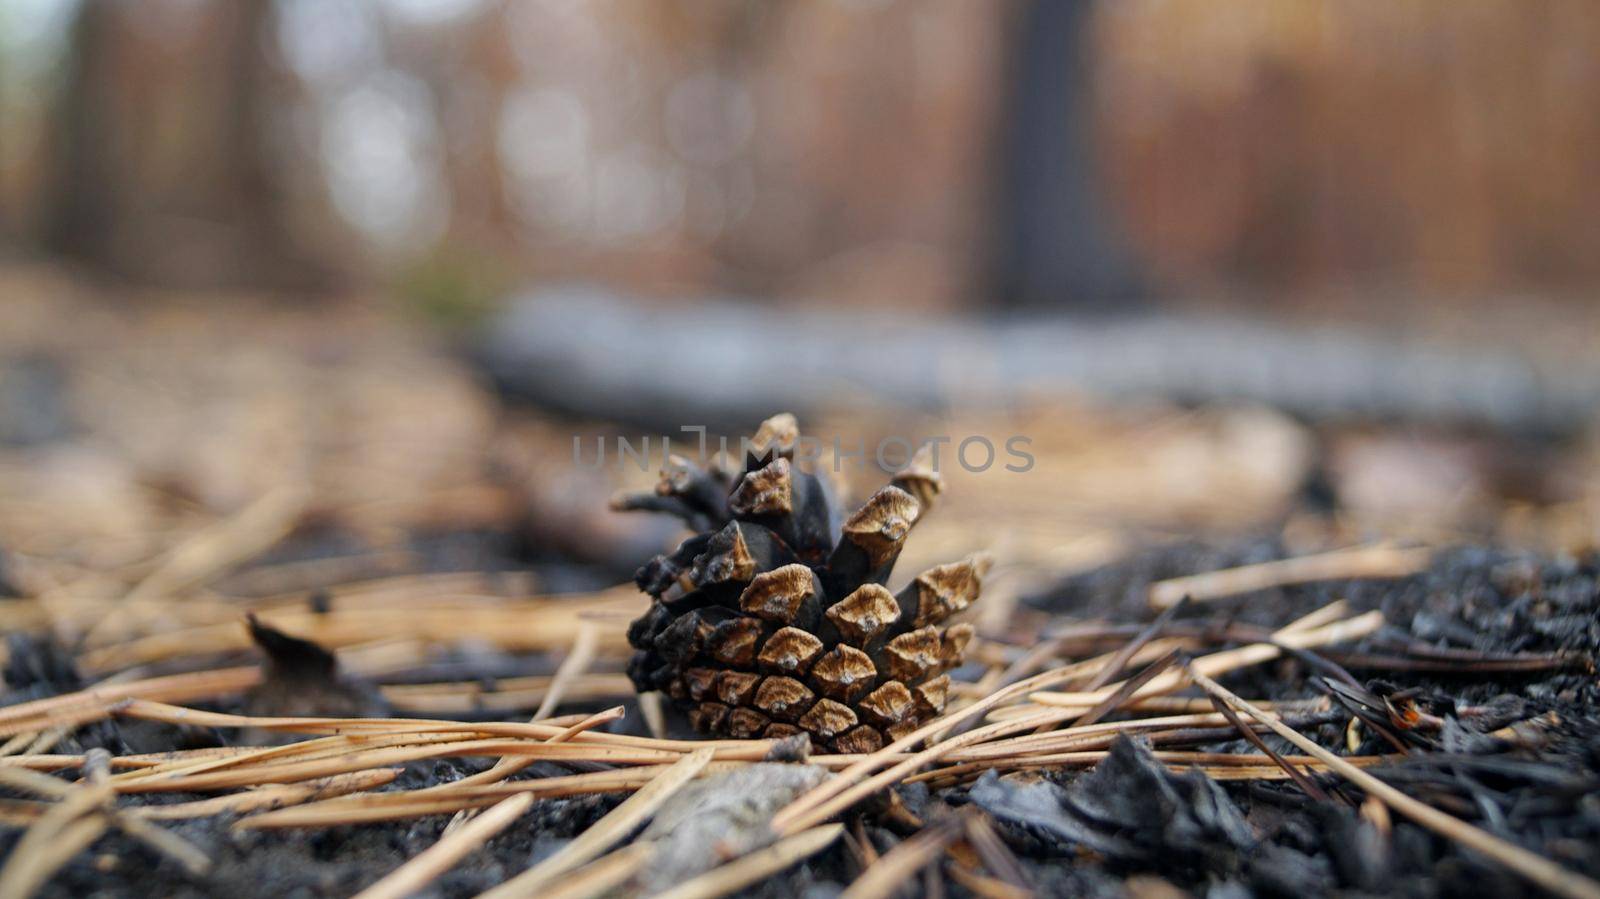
(1130, 809)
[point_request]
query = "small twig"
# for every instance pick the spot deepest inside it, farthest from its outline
(1536, 868)
(97, 771)
(29, 781)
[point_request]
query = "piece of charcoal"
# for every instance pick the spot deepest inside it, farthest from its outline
(36, 667)
(1131, 809)
(302, 679)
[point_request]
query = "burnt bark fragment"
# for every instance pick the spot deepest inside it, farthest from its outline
(302, 678)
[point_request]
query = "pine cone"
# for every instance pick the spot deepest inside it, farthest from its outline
(775, 620)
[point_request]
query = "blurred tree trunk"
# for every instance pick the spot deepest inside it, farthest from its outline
(80, 205)
(1058, 244)
(166, 171)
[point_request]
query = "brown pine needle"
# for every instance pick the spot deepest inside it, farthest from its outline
(267, 798)
(29, 781)
(306, 750)
(31, 865)
(1327, 614)
(577, 661)
(96, 703)
(1216, 765)
(1124, 656)
(509, 765)
(856, 782)
(618, 823)
(1536, 868)
(506, 766)
(446, 798)
(249, 532)
(1227, 660)
(509, 695)
(64, 830)
(1301, 780)
(996, 855)
(990, 887)
(727, 750)
(167, 843)
(512, 624)
(1380, 561)
(785, 821)
(900, 864)
(748, 869)
(289, 772)
(1122, 694)
(363, 809)
(604, 874)
(426, 867)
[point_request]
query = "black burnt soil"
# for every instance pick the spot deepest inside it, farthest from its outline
(1126, 821)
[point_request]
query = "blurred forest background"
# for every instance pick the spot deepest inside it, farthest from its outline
(1369, 158)
(222, 221)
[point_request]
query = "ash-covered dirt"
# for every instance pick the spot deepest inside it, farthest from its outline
(1545, 797)
(1128, 821)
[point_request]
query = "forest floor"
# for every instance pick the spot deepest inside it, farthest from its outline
(170, 465)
